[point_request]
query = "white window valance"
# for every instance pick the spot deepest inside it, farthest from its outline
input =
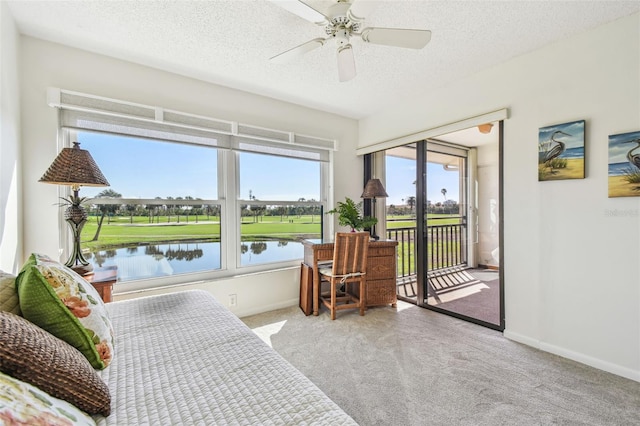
(434, 132)
(95, 113)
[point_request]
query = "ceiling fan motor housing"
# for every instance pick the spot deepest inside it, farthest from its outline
(341, 25)
(341, 36)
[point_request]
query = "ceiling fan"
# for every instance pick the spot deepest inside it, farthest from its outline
(341, 21)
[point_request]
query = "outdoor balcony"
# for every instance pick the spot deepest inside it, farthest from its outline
(452, 284)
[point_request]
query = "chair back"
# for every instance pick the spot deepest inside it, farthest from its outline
(350, 253)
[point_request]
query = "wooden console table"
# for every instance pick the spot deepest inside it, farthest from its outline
(381, 270)
(103, 279)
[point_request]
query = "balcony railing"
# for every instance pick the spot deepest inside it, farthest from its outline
(406, 252)
(446, 247)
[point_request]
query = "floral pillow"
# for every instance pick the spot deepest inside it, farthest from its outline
(60, 301)
(24, 404)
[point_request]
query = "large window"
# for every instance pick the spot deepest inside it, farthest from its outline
(192, 197)
(160, 216)
(279, 206)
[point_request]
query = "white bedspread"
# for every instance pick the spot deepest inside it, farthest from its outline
(184, 359)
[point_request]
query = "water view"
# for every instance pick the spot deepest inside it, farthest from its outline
(158, 260)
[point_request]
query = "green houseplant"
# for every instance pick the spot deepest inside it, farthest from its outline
(350, 214)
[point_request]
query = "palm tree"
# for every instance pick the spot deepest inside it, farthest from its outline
(105, 208)
(411, 201)
(444, 193)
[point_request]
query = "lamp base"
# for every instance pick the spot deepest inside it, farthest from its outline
(82, 269)
(76, 261)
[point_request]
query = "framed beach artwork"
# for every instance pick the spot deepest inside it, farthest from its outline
(624, 165)
(561, 151)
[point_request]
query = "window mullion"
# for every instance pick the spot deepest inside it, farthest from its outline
(230, 227)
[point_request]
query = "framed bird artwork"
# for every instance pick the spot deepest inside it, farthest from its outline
(624, 165)
(561, 152)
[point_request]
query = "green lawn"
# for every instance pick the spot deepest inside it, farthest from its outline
(394, 222)
(119, 231)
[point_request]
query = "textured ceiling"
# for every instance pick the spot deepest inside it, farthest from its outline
(228, 42)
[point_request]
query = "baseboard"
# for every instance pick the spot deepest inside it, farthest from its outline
(266, 308)
(609, 367)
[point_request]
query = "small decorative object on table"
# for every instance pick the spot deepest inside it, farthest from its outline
(75, 167)
(350, 214)
(372, 190)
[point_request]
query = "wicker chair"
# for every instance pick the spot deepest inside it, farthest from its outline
(349, 266)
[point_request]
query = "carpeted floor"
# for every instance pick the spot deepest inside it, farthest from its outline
(411, 366)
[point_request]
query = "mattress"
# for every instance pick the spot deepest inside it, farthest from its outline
(184, 359)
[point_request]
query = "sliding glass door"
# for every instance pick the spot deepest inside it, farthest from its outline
(443, 210)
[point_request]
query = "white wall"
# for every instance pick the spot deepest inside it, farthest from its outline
(255, 293)
(10, 220)
(46, 64)
(488, 206)
(572, 269)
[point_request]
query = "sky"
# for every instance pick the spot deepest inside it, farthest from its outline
(180, 170)
(401, 175)
(190, 170)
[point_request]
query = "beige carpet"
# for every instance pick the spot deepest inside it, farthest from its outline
(412, 366)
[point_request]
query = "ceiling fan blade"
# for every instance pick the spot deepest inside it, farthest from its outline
(360, 9)
(303, 10)
(398, 37)
(346, 63)
(297, 51)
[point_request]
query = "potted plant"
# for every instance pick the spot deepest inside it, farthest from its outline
(350, 214)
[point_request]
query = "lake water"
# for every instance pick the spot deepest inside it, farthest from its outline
(159, 260)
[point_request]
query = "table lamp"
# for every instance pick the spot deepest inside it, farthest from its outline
(75, 167)
(372, 190)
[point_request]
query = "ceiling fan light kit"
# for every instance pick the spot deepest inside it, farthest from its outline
(342, 21)
(485, 128)
(346, 63)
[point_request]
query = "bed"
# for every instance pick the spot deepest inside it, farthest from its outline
(183, 358)
(67, 358)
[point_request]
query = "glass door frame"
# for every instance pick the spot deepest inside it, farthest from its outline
(421, 234)
(421, 209)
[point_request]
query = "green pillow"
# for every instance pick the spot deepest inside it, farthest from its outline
(61, 302)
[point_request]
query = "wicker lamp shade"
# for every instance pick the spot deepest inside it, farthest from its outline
(374, 189)
(75, 167)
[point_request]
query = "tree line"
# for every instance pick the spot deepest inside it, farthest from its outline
(173, 208)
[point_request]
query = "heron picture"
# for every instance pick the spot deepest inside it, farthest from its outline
(561, 151)
(624, 165)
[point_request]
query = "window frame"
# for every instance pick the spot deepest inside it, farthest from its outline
(228, 182)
